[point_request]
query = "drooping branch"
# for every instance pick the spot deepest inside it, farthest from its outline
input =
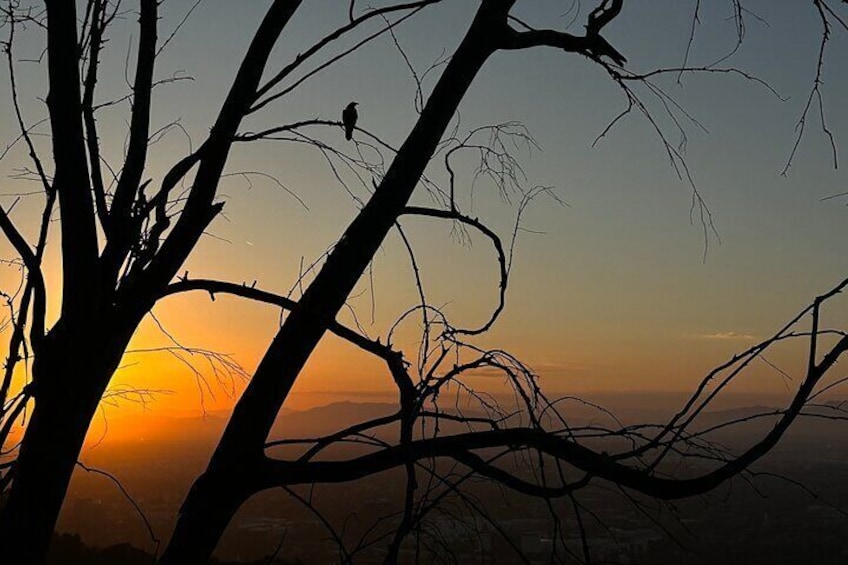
(135, 505)
(496, 243)
(496, 159)
(566, 446)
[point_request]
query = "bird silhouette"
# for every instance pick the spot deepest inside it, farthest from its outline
(349, 117)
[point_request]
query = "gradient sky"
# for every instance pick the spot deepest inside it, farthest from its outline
(611, 292)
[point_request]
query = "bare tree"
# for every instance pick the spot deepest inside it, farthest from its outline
(123, 243)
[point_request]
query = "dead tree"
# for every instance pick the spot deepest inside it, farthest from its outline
(240, 468)
(109, 286)
(124, 242)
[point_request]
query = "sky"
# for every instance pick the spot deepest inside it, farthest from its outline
(614, 289)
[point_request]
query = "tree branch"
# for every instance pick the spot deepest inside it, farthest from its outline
(140, 125)
(496, 242)
(592, 45)
(98, 13)
(71, 181)
(303, 57)
(35, 277)
(199, 209)
(213, 287)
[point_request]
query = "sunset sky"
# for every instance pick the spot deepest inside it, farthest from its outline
(611, 292)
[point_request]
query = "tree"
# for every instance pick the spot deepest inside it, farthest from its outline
(123, 246)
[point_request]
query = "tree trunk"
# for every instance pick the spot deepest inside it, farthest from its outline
(48, 455)
(213, 501)
(71, 370)
(74, 364)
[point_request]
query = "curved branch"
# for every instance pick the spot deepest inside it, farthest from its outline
(213, 287)
(496, 242)
(690, 411)
(322, 443)
(486, 469)
(147, 525)
(594, 464)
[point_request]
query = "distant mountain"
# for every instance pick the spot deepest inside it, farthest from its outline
(332, 417)
(199, 434)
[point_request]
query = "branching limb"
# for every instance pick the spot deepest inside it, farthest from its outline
(354, 23)
(200, 208)
(737, 363)
(592, 45)
(827, 18)
(213, 287)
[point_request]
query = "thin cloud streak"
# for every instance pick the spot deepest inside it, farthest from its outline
(726, 336)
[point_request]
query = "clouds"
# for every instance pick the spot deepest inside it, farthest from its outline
(726, 336)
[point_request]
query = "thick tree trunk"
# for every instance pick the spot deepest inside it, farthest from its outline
(242, 444)
(202, 523)
(51, 444)
(70, 373)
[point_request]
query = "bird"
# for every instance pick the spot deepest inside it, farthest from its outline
(349, 117)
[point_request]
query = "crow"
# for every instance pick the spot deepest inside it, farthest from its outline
(349, 117)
